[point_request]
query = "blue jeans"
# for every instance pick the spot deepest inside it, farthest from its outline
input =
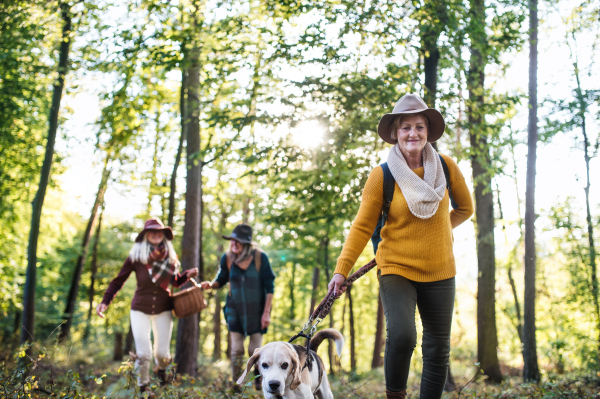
(435, 301)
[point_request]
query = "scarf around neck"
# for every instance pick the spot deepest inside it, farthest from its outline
(159, 267)
(422, 195)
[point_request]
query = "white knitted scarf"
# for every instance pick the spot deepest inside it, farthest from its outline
(422, 195)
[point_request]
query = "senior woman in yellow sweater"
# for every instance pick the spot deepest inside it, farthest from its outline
(416, 266)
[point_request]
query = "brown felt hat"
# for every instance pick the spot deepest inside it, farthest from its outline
(242, 233)
(411, 104)
(155, 224)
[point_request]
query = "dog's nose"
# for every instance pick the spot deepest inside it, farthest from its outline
(274, 385)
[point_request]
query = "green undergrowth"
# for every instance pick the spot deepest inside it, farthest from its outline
(78, 372)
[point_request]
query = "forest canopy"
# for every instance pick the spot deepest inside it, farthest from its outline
(207, 114)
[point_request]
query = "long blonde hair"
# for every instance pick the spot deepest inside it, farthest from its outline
(246, 252)
(140, 251)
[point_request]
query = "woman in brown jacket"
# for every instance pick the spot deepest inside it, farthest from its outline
(156, 266)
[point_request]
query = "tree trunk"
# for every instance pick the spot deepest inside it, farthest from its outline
(430, 32)
(330, 348)
(217, 329)
(118, 349)
(513, 287)
(74, 289)
(27, 332)
(291, 286)
(246, 210)
(153, 190)
(186, 353)
(315, 291)
(173, 188)
(531, 370)
(93, 271)
(379, 339)
(487, 338)
(129, 340)
(590, 225)
(228, 345)
(511, 280)
(352, 330)
(17, 323)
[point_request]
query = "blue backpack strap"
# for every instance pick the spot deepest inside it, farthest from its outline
(389, 185)
(447, 175)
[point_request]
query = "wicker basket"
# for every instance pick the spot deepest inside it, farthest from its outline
(188, 301)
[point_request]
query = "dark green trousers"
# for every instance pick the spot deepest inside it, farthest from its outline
(435, 301)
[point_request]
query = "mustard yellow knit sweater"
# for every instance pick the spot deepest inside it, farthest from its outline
(418, 249)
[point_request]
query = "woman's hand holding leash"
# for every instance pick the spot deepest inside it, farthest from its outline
(336, 284)
(100, 309)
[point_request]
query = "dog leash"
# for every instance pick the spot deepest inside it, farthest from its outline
(325, 307)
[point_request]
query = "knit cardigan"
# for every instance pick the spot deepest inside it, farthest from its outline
(418, 249)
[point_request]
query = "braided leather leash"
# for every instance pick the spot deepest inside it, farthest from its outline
(325, 306)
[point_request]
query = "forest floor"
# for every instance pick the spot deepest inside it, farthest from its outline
(79, 374)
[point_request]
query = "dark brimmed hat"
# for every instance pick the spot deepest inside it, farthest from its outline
(155, 224)
(411, 104)
(242, 234)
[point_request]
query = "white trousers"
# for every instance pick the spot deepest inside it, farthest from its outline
(162, 326)
(237, 344)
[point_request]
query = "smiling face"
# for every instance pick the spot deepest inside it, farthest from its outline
(236, 247)
(412, 134)
(155, 237)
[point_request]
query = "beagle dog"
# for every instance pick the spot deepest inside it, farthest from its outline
(283, 371)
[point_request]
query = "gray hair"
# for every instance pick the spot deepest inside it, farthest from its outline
(140, 251)
(245, 253)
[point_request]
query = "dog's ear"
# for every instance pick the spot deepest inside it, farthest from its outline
(296, 370)
(253, 359)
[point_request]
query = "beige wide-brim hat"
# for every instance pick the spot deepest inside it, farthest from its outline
(411, 104)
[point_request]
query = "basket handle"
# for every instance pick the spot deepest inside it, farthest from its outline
(195, 283)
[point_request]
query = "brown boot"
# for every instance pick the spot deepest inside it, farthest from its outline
(162, 377)
(395, 395)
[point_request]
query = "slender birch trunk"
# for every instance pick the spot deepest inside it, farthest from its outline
(74, 289)
(487, 335)
(27, 330)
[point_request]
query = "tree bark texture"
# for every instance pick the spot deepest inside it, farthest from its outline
(291, 287)
(531, 370)
(513, 287)
(216, 356)
(430, 29)
(27, 331)
(590, 224)
(487, 337)
(330, 348)
(93, 272)
(186, 353)
(74, 289)
(379, 338)
(173, 184)
(129, 340)
(118, 349)
(352, 330)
